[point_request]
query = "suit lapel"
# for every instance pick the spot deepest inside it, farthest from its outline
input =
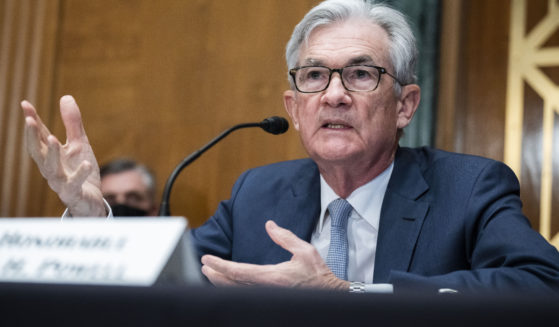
(401, 218)
(299, 208)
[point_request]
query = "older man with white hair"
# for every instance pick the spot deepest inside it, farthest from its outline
(361, 214)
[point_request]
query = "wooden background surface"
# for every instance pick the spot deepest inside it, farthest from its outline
(157, 79)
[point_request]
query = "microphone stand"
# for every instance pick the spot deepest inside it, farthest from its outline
(164, 209)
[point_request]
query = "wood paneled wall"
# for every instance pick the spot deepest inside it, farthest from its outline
(472, 114)
(478, 44)
(155, 80)
(27, 49)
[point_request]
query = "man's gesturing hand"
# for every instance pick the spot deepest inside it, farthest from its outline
(305, 269)
(71, 169)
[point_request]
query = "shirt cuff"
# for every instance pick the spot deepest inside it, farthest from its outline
(67, 215)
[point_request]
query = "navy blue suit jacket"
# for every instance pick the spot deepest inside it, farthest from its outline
(447, 220)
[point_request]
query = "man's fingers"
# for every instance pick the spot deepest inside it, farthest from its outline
(217, 278)
(33, 120)
(52, 166)
(239, 273)
(72, 118)
(217, 264)
(33, 142)
(284, 237)
(28, 109)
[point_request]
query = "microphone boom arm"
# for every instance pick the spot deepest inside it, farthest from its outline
(164, 209)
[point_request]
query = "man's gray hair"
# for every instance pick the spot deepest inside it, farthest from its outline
(120, 165)
(402, 49)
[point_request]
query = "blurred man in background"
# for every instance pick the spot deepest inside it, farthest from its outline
(129, 188)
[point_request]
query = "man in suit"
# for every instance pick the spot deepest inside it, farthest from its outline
(421, 219)
(361, 214)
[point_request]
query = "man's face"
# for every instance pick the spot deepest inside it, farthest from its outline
(339, 126)
(128, 188)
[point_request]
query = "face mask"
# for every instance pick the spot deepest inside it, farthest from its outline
(122, 210)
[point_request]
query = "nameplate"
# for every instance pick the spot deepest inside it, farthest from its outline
(131, 251)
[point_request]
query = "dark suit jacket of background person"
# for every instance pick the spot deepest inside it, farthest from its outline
(447, 221)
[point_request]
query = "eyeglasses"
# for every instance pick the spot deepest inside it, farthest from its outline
(357, 78)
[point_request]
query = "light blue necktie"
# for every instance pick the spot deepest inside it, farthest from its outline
(337, 253)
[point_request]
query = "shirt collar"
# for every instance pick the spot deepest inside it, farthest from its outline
(365, 200)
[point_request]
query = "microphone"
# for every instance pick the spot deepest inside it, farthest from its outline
(274, 125)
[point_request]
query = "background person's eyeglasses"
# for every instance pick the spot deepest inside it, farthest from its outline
(358, 78)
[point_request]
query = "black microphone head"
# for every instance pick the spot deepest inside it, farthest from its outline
(275, 125)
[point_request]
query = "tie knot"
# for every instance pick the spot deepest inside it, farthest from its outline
(339, 212)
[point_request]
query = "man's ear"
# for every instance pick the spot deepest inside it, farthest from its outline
(290, 105)
(409, 100)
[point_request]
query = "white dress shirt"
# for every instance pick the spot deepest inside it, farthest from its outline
(362, 226)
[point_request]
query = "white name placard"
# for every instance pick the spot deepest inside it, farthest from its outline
(131, 251)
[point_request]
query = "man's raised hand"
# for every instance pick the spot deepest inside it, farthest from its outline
(71, 170)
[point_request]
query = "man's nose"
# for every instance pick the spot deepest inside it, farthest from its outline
(336, 93)
(120, 199)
